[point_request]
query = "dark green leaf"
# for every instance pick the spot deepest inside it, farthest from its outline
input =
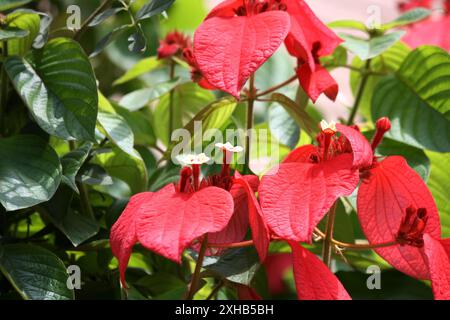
(93, 174)
(11, 4)
(105, 15)
(107, 39)
(36, 273)
(30, 172)
(12, 33)
(235, 265)
(417, 100)
(58, 85)
(76, 227)
(72, 162)
(153, 8)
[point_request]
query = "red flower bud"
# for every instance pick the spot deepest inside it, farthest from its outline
(383, 125)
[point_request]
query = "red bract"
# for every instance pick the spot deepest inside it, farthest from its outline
(276, 266)
(238, 36)
(314, 281)
(438, 262)
(413, 4)
(392, 201)
(171, 219)
(296, 195)
(395, 205)
(173, 44)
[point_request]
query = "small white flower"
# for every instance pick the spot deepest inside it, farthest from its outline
(328, 126)
(229, 147)
(190, 159)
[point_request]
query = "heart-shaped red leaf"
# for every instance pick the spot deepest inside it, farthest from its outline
(260, 232)
(317, 81)
(361, 148)
(439, 266)
(295, 196)
(229, 50)
(391, 187)
(172, 220)
(313, 280)
(237, 227)
(123, 232)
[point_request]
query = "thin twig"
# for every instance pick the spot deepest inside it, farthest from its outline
(196, 275)
(85, 25)
(278, 86)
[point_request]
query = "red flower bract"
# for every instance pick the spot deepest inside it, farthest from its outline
(238, 36)
(296, 195)
(314, 281)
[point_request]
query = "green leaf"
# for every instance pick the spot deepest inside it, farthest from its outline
(12, 33)
(407, 18)
(336, 59)
(30, 172)
(370, 48)
(283, 126)
(188, 100)
(153, 8)
(417, 100)
(388, 62)
(118, 131)
(439, 183)
(303, 119)
(93, 174)
(142, 67)
(11, 4)
(140, 123)
(235, 265)
(36, 273)
(108, 38)
(138, 99)
(108, 13)
(129, 169)
(28, 21)
(58, 85)
(75, 226)
(348, 24)
(72, 162)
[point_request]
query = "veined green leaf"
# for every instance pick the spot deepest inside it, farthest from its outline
(30, 172)
(36, 273)
(58, 85)
(439, 183)
(27, 21)
(417, 100)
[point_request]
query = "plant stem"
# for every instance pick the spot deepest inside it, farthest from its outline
(4, 90)
(242, 244)
(354, 246)
(360, 93)
(278, 86)
(250, 109)
(215, 290)
(85, 25)
(86, 208)
(198, 267)
(327, 244)
(171, 94)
